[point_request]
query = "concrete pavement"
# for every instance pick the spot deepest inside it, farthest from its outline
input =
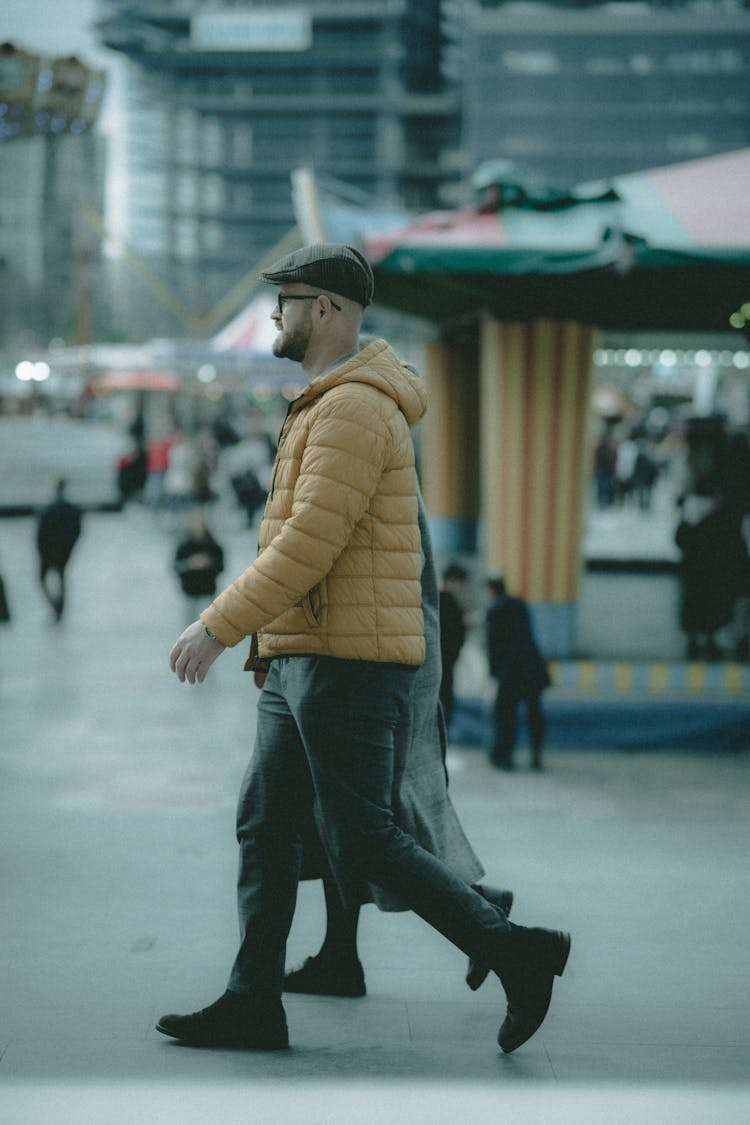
(117, 792)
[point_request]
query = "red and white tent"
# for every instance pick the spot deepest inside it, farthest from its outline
(251, 331)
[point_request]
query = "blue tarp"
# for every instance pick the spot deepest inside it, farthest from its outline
(618, 725)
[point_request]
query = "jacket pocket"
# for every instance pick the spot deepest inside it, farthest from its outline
(311, 607)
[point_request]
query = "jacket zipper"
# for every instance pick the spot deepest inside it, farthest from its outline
(279, 444)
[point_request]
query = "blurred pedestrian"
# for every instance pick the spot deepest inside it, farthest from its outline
(198, 561)
(645, 472)
(157, 463)
(520, 672)
(625, 459)
(249, 492)
(605, 464)
(132, 467)
(713, 570)
(183, 460)
(452, 632)
(58, 529)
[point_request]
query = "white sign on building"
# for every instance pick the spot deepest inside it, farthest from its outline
(232, 29)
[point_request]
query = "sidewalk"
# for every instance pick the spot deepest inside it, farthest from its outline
(117, 793)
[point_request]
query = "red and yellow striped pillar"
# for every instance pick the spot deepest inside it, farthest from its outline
(450, 448)
(535, 384)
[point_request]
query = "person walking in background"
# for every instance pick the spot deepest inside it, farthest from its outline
(157, 463)
(131, 473)
(605, 464)
(713, 570)
(179, 484)
(58, 529)
(645, 473)
(198, 561)
(334, 600)
(520, 673)
(452, 632)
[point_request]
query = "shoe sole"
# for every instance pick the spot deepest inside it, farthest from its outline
(311, 990)
(281, 1044)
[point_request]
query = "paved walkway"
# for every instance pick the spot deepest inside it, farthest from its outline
(117, 791)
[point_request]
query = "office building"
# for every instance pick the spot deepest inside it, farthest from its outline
(222, 104)
(578, 92)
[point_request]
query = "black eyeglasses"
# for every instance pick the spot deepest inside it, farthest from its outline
(302, 297)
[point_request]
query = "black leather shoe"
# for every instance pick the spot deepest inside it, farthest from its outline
(322, 977)
(477, 973)
(234, 1020)
(534, 958)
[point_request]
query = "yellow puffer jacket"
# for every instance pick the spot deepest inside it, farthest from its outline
(339, 566)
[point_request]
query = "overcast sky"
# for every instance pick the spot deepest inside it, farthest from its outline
(51, 27)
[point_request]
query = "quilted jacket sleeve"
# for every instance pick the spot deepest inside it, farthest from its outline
(317, 502)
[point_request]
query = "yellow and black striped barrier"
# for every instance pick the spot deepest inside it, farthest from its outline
(652, 679)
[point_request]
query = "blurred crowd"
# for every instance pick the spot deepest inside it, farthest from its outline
(690, 475)
(179, 469)
(704, 466)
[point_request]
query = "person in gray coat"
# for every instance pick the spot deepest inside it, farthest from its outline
(421, 806)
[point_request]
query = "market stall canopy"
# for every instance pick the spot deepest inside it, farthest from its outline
(665, 249)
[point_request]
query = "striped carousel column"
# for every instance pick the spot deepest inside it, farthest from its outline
(450, 461)
(535, 382)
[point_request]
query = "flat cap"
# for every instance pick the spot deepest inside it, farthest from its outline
(329, 265)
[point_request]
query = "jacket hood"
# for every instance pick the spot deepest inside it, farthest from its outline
(377, 365)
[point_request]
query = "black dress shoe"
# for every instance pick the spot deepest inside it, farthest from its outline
(321, 976)
(234, 1020)
(477, 972)
(534, 958)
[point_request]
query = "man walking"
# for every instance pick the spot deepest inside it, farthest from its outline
(334, 598)
(57, 533)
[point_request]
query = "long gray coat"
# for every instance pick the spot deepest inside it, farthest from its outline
(421, 804)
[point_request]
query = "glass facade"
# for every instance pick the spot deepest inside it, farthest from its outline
(212, 134)
(577, 96)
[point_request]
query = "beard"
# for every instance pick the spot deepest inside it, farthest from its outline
(292, 344)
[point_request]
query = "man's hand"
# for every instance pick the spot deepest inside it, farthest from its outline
(193, 654)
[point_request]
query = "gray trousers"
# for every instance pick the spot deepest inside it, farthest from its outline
(325, 739)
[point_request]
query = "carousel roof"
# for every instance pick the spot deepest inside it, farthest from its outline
(662, 249)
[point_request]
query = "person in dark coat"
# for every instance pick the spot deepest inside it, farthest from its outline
(131, 473)
(198, 560)
(713, 571)
(58, 530)
(520, 671)
(452, 632)
(249, 492)
(421, 806)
